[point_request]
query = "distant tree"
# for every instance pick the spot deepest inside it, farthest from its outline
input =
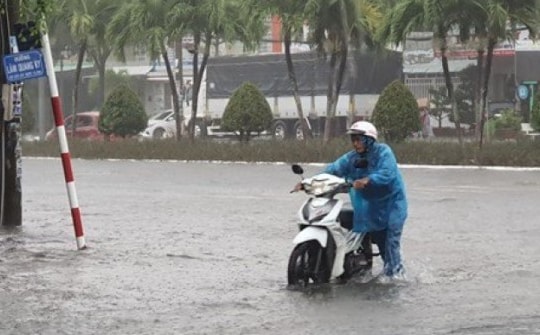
(465, 95)
(148, 24)
(122, 114)
(440, 17)
(465, 99)
(440, 104)
(208, 21)
(292, 15)
(87, 21)
(112, 81)
(247, 111)
(336, 27)
(396, 113)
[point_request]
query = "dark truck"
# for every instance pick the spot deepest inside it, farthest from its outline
(367, 74)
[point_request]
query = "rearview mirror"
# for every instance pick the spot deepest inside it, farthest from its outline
(297, 169)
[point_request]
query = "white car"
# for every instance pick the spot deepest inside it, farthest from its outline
(161, 125)
(160, 116)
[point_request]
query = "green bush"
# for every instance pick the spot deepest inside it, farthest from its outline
(247, 112)
(123, 113)
(508, 120)
(535, 114)
(396, 113)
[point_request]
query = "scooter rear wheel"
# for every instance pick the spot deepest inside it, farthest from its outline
(308, 264)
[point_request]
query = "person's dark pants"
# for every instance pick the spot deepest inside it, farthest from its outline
(389, 243)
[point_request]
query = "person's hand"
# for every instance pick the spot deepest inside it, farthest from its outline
(360, 184)
(297, 187)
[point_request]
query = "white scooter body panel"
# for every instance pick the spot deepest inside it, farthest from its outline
(331, 216)
(319, 216)
(312, 233)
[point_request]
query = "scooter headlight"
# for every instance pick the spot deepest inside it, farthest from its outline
(319, 187)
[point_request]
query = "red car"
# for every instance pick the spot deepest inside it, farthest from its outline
(86, 127)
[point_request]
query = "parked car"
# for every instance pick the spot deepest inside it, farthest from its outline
(86, 127)
(160, 116)
(161, 125)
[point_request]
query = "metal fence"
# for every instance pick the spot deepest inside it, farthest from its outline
(420, 86)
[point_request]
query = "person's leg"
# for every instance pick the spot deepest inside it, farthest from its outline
(392, 252)
(368, 250)
(379, 237)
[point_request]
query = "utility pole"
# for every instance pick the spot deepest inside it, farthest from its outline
(10, 129)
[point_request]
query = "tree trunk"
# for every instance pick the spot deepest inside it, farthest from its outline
(330, 99)
(341, 70)
(197, 79)
(100, 58)
(78, 71)
(478, 93)
(172, 84)
(450, 88)
(306, 131)
(489, 59)
(335, 80)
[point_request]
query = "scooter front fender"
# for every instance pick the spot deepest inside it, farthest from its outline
(310, 233)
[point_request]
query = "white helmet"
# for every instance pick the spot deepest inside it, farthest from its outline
(363, 128)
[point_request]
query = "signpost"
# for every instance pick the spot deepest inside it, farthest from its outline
(24, 65)
(523, 92)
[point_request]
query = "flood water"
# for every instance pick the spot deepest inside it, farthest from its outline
(202, 248)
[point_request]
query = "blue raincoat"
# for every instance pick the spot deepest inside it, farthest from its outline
(381, 207)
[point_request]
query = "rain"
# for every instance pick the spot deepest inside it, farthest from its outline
(202, 248)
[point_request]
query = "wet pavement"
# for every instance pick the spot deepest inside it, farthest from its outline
(202, 248)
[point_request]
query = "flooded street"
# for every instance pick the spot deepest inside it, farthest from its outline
(202, 248)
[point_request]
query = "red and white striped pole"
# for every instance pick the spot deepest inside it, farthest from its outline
(62, 138)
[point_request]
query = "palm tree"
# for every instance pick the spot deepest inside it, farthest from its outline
(337, 25)
(291, 14)
(437, 16)
(499, 20)
(148, 23)
(80, 21)
(100, 45)
(208, 21)
(87, 22)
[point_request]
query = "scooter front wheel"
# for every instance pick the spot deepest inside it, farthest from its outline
(308, 264)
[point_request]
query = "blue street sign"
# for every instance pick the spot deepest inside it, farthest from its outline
(523, 92)
(24, 65)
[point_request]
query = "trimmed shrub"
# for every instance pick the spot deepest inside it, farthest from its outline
(396, 113)
(508, 120)
(122, 114)
(535, 113)
(247, 112)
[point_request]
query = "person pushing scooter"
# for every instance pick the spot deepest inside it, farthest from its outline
(378, 193)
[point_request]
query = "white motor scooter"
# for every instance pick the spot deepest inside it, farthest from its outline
(326, 248)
